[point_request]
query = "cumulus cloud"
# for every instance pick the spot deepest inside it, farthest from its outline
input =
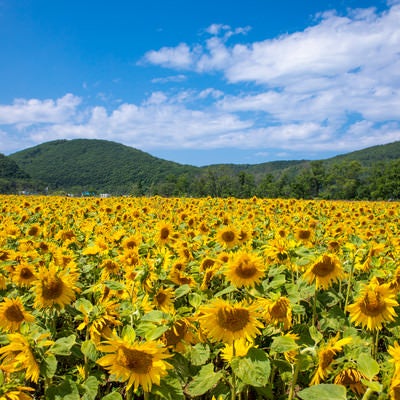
(333, 87)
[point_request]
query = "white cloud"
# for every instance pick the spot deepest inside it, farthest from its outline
(180, 57)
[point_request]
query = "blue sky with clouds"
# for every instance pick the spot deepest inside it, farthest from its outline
(202, 82)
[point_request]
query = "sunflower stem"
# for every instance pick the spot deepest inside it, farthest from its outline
(314, 312)
(295, 374)
(349, 285)
(375, 343)
(233, 389)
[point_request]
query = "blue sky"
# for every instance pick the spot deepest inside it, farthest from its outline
(202, 82)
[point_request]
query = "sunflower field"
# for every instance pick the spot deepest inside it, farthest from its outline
(211, 298)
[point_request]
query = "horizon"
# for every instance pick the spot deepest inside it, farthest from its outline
(202, 84)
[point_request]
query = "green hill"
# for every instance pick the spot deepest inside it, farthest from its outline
(95, 165)
(100, 166)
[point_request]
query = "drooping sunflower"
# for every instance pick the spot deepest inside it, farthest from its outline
(325, 271)
(374, 306)
(23, 275)
(10, 391)
(326, 355)
(351, 378)
(54, 287)
(239, 348)
(138, 364)
(226, 322)
(245, 269)
(18, 356)
(179, 335)
(13, 314)
(278, 312)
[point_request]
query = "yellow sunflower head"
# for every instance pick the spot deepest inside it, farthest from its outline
(13, 314)
(226, 322)
(374, 306)
(245, 269)
(325, 271)
(351, 378)
(136, 363)
(23, 275)
(228, 236)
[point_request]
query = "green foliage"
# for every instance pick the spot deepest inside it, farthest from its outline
(97, 166)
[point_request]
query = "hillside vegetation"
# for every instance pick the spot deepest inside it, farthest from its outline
(99, 166)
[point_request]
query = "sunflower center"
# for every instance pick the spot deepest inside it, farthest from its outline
(135, 360)
(26, 273)
(326, 358)
(279, 310)
(52, 289)
(245, 270)
(304, 234)
(14, 314)
(228, 236)
(233, 319)
(164, 233)
(324, 267)
(175, 334)
(372, 305)
(161, 297)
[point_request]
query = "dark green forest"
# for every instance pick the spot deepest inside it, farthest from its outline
(93, 167)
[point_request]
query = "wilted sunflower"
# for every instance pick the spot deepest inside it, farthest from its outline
(325, 271)
(239, 348)
(138, 364)
(351, 378)
(23, 275)
(325, 357)
(13, 314)
(18, 356)
(245, 269)
(10, 391)
(54, 288)
(179, 335)
(278, 312)
(374, 306)
(226, 322)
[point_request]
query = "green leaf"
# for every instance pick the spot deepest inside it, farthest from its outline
(194, 300)
(181, 291)
(170, 389)
(155, 332)
(281, 344)
(254, 369)
(227, 290)
(66, 390)
(277, 281)
(88, 348)
(62, 346)
(112, 396)
(153, 316)
(204, 381)
(83, 305)
(113, 285)
(128, 333)
(373, 385)
(315, 334)
(91, 387)
(199, 354)
(49, 366)
(324, 391)
(367, 366)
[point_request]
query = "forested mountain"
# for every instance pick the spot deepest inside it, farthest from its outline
(99, 166)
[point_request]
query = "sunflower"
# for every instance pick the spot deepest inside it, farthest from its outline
(226, 322)
(23, 275)
(350, 377)
(228, 236)
(278, 312)
(164, 299)
(394, 389)
(325, 271)
(394, 352)
(138, 364)
(54, 288)
(18, 356)
(13, 314)
(10, 391)
(325, 357)
(245, 269)
(374, 306)
(239, 348)
(164, 233)
(179, 335)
